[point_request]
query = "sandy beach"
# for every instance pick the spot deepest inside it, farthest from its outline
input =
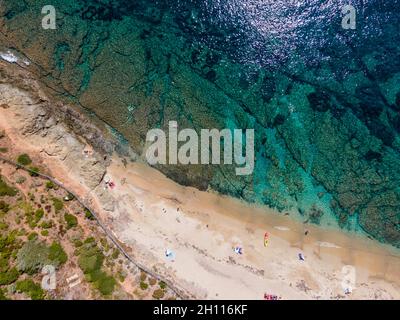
(149, 213)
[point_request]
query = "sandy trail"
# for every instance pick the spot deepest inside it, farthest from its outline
(150, 213)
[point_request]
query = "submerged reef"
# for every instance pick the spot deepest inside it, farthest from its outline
(324, 101)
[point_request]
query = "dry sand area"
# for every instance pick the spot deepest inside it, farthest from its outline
(149, 213)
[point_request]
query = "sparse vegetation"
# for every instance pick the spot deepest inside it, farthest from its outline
(58, 204)
(20, 180)
(31, 237)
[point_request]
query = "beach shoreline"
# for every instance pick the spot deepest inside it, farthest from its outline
(150, 214)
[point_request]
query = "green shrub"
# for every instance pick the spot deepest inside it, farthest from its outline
(9, 276)
(88, 215)
(143, 285)
(8, 244)
(158, 294)
(32, 224)
(57, 254)
(24, 160)
(143, 276)
(90, 240)
(78, 243)
(6, 190)
(39, 215)
(30, 288)
(104, 244)
(33, 236)
(2, 295)
(162, 285)
(104, 283)
(152, 281)
(71, 220)
(4, 207)
(34, 171)
(58, 204)
(90, 259)
(121, 276)
(46, 224)
(49, 185)
(3, 150)
(44, 233)
(115, 254)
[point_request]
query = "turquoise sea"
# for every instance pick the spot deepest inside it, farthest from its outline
(323, 99)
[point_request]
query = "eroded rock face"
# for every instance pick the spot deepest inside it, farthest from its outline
(35, 120)
(326, 115)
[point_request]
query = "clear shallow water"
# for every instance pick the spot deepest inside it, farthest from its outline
(324, 102)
